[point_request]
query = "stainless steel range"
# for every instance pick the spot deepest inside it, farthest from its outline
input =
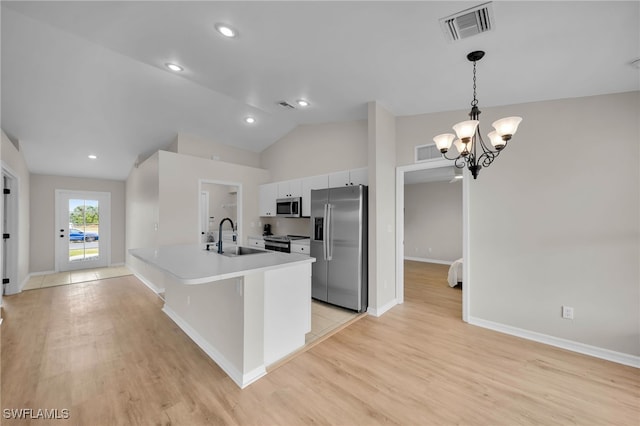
(281, 243)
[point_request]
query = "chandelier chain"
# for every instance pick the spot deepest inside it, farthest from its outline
(474, 102)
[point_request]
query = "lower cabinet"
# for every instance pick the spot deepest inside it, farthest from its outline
(300, 248)
(255, 242)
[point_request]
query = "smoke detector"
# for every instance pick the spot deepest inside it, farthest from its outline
(468, 23)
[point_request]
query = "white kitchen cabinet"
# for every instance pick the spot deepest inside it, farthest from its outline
(300, 248)
(339, 179)
(349, 177)
(255, 242)
(313, 182)
(290, 188)
(359, 176)
(267, 201)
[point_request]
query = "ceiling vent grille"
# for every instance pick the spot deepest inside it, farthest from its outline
(427, 152)
(468, 23)
(285, 104)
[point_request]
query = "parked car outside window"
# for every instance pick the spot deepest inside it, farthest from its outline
(76, 235)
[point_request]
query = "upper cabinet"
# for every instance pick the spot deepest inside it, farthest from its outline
(267, 201)
(313, 182)
(270, 192)
(290, 188)
(349, 177)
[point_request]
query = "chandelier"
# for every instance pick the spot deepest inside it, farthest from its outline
(469, 138)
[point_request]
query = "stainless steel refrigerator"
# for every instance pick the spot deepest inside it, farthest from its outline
(340, 245)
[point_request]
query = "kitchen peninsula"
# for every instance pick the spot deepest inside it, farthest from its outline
(246, 312)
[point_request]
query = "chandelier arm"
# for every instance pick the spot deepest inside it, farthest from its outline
(451, 158)
(487, 158)
(461, 162)
(487, 148)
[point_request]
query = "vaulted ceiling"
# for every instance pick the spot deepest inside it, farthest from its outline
(82, 78)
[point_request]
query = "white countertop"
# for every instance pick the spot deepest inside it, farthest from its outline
(192, 264)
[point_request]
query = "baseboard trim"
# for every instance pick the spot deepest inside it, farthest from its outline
(594, 351)
(423, 259)
(152, 287)
(35, 274)
(376, 312)
(24, 282)
(242, 380)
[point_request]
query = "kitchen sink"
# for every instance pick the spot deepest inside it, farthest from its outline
(240, 251)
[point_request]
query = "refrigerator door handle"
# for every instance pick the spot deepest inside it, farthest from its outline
(324, 232)
(329, 229)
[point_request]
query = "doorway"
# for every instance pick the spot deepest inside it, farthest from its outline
(83, 231)
(400, 232)
(219, 200)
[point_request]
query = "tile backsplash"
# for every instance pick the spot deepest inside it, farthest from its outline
(288, 226)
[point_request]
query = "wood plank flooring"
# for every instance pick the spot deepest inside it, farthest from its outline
(106, 352)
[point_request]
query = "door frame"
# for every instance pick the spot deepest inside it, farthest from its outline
(239, 216)
(204, 221)
(466, 255)
(12, 218)
(105, 243)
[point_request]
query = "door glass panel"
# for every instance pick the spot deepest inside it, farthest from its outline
(84, 230)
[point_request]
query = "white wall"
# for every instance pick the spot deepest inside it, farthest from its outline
(188, 144)
(433, 221)
(12, 158)
(555, 220)
(382, 229)
(42, 216)
(316, 149)
(179, 198)
(143, 216)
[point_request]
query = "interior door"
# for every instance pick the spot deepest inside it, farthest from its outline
(83, 229)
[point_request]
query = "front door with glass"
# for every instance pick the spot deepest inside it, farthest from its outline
(82, 232)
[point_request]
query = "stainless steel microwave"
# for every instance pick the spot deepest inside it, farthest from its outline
(288, 207)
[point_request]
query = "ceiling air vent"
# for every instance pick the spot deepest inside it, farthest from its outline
(468, 23)
(285, 104)
(427, 152)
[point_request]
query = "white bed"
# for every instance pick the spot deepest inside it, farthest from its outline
(455, 273)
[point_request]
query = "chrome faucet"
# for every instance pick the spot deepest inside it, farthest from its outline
(220, 233)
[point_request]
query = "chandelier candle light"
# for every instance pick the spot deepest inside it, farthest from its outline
(469, 138)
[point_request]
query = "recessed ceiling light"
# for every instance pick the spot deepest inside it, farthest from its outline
(458, 177)
(226, 30)
(250, 120)
(302, 103)
(93, 157)
(174, 67)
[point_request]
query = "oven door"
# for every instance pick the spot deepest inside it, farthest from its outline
(277, 246)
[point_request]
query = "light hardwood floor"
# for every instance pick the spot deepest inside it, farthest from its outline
(106, 352)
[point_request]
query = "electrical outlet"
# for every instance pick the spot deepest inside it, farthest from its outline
(567, 312)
